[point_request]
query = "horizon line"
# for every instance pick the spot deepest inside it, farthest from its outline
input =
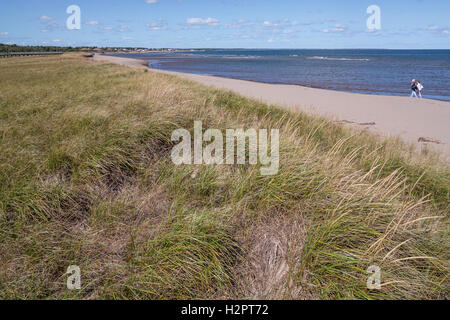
(220, 48)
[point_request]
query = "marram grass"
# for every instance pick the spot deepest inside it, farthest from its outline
(86, 179)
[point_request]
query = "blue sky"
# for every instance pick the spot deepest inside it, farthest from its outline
(418, 24)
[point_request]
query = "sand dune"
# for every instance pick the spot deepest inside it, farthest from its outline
(425, 123)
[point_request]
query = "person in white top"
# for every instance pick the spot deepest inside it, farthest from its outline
(419, 88)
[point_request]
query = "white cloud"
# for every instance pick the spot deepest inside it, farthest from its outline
(124, 28)
(92, 23)
(437, 29)
(3, 33)
(158, 26)
(239, 24)
(281, 23)
(431, 28)
(203, 21)
(151, 1)
(270, 24)
(48, 23)
(338, 28)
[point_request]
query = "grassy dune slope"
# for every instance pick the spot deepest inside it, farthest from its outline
(86, 179)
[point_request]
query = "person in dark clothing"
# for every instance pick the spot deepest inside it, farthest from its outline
(413, 88)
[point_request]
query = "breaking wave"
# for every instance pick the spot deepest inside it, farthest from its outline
(336, 59)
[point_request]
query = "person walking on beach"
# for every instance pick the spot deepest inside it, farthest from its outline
(413, 88)
(419, 88)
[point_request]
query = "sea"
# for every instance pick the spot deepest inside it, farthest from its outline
(378, 72)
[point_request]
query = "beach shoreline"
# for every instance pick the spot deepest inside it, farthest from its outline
(422, 122)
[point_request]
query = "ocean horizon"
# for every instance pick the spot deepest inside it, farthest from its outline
(369, 71)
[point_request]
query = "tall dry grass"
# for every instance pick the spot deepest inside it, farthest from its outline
(86, 179)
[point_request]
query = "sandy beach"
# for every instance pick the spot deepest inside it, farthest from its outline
(424, 122)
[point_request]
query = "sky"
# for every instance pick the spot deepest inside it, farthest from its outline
(405, 24)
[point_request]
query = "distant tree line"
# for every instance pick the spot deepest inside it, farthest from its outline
(16, 48)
